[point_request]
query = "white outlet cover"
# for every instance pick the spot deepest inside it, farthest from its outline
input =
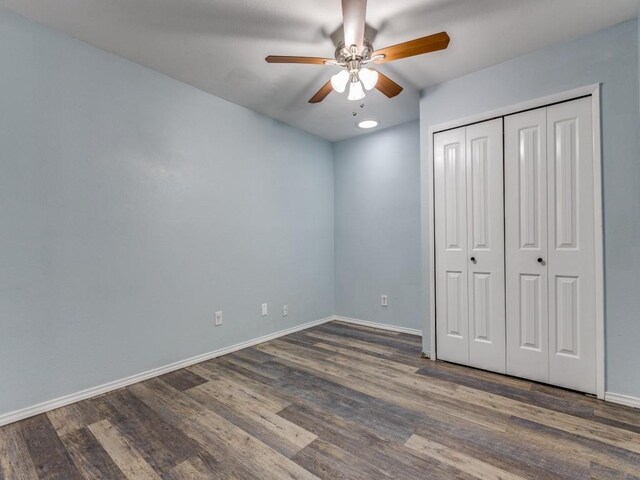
(265, 309)
(285, 310)
(384, 300)
(218, 318)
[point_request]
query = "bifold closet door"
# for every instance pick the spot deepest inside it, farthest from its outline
(450, 198)
(526, 244)
(469, 218)
(485, 234)
(572, 305)
(550, 252)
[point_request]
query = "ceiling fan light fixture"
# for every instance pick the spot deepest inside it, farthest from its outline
(368, 77)
(356, 91)
(339, 81)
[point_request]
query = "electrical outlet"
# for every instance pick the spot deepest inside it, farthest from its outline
(384, 300)
(285, 310)
(265, 309)
(218, 318)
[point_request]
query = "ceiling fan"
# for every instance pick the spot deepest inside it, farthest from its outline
(356, 52)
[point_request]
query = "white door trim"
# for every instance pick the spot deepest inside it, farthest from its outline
(428, 218)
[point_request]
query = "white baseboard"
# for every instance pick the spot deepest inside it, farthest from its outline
(381, 326)
(620, 399)
(44, 407)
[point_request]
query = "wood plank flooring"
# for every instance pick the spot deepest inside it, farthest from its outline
(334, 402)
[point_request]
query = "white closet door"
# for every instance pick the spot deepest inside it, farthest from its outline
(485, 241)
(526, 245)
(571, 270)
(451, 246)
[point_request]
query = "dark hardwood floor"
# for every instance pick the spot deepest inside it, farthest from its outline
(336, 401)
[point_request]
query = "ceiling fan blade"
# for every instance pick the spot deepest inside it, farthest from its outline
(431, 43)
(353, 14)
(308, 60)
(387, 86)
(322, 93)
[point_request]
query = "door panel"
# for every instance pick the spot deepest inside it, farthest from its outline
(450, 200)
(481, 307)
(525, 243)
(455, 320)
(571, 270)
(531, 312)
(530, 170)
(566, 315)
(485, 220)
(454, 186)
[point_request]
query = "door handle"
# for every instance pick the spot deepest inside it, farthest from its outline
(473, 259)
(540, 260)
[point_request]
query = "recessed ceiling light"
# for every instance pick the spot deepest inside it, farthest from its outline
(367, 124)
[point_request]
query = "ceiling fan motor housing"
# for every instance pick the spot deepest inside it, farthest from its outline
(345, 55)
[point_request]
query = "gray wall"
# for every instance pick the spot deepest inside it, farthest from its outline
(132, 207)
(609, 57)
(377, 230)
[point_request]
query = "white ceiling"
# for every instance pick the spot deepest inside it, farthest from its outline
(219, 45)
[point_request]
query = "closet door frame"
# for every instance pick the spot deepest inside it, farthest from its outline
(428, 213)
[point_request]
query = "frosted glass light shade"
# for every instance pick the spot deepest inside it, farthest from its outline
(355, 91)
(368, 77)
(339, 81)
